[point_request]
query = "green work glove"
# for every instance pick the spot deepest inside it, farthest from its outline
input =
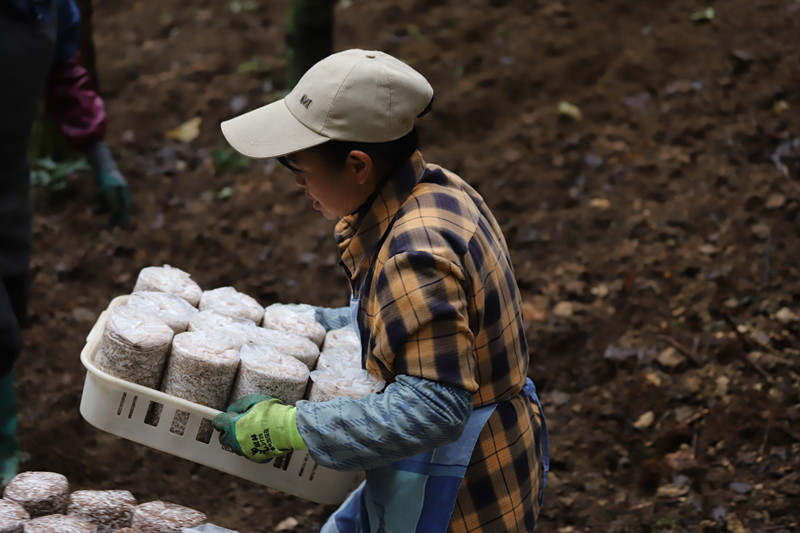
(259, 427)
(115, 197)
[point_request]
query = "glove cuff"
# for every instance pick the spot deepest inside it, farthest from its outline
(295, 439)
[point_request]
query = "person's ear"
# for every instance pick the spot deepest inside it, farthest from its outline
(359, 164)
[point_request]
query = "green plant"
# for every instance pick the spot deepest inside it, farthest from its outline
(226, 158)
(52, 175)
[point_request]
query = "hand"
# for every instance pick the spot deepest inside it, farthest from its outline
(115, 197)
(332, 317)
(259, 427)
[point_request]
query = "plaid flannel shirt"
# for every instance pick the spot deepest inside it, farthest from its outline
(439, 301)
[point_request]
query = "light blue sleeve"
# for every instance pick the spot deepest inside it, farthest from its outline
(411, 416)
(332, 317)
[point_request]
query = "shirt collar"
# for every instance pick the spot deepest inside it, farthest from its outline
(358, 234)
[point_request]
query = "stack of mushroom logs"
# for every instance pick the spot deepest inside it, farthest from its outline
(214, 347)
(41, 502)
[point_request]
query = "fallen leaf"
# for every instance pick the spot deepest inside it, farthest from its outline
(781, 106)
(775, 201)
(672, 491)
(670, 357)
(645, 420)
(683, 459)
(600, 203)
(601, 291)
(186, 132)
(708, 249)
(653, 378)
(734, 525)
(703, 15)
(569, 110)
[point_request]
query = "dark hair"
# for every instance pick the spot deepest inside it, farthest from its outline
(386, 155)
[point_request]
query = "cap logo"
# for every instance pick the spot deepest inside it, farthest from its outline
(305, 101)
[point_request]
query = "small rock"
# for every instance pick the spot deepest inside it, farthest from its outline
(645, 420)
(238, 103)
(637, 101)
(719, 513)
(670, 358)
(740, 487)
(617, 353)
(593, 161)
(786, 315)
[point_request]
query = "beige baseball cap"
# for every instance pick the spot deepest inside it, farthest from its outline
(354, 95)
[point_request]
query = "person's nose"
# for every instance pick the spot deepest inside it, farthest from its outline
(300, 181)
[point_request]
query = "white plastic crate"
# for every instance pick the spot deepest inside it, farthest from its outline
(121, 408)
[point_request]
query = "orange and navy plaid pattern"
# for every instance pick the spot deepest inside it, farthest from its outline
(439, 301)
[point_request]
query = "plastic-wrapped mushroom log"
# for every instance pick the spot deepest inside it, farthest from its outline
(341, 349)
(40, 493)
(294, 318)
(60, 523)
(173, 310)
(265, 370)
(245, 331)
(109, 510)
(134, 346)
(229, 301)
(12, 515)
(353, 382)
(201, 369)
(301, 348)
(164, 517)
(210, 320)
(169, 279)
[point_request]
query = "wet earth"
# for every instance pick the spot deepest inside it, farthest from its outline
(642, 158)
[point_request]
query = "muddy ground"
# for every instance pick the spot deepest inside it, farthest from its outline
(655, 236)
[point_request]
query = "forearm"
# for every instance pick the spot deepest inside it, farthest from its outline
(411, 416)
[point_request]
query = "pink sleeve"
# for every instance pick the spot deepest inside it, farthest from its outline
(73, 104)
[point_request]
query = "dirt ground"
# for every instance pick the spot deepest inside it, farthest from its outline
(655, 240)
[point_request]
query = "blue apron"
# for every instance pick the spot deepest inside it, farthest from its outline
(418, 494)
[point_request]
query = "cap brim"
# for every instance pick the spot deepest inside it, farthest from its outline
(269, 131)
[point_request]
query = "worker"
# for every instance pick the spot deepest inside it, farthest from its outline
(38, 56)
(457, 440)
